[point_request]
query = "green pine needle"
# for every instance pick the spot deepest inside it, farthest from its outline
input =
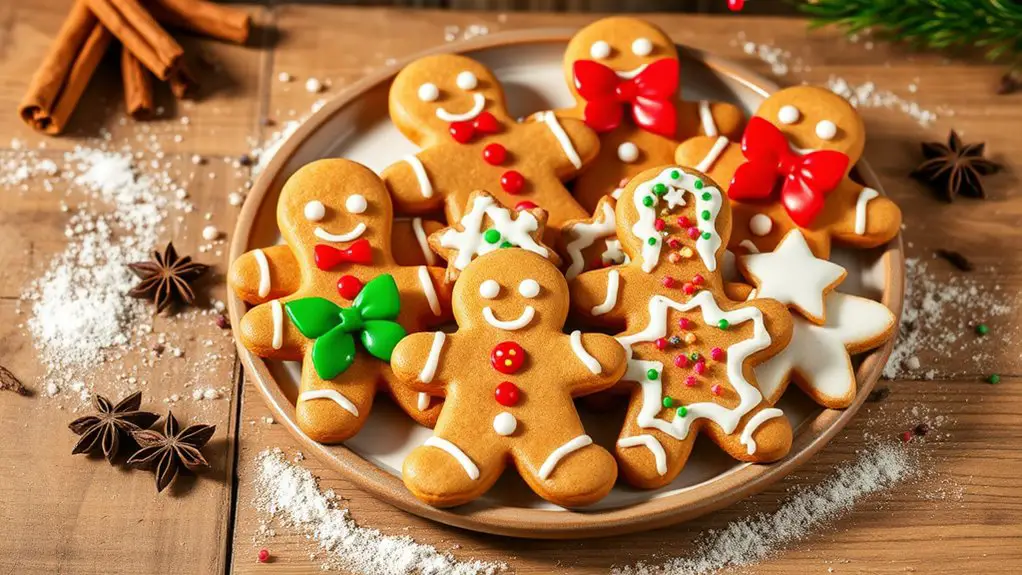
(992, 25)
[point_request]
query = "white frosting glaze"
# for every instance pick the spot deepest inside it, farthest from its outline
(561, 452)
(706, 119)
(613, 281)
(428, 92)
(433, 360)
(454, 451)
(529, 288)
(427, 288)
(826, 130)
(599, 50)
(580, 351)
(562, 139)
(422, 401)
(277, 313)
(613, 254)
(478, 104)
(505, 423)
(629, 74)
(332, 395)
(753, 424)
(356, 204)
(865, 196)
(760, 224)
(706, 163)
(420, 236)
(788, 114)
(627, 152)
(651, 443)
(425, 187)
(585, 234)
(748, 245)
(314, 211)
(264, 272)
(489, 289)
(470, 243)
(466, 80)
(354, 234)
(511, 325)
(642, 47)
(737, 354)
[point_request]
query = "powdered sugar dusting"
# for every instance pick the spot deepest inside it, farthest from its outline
(290, 493)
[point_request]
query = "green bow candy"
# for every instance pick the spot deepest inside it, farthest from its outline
(371, 316)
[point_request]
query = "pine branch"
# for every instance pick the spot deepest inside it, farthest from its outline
(994, 26)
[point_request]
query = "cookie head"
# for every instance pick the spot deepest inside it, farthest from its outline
(625, 45)
(511, 289)
(336, 203)
(432, 93)
(815, 118)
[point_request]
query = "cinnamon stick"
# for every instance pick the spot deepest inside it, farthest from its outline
(182, 83)
(140, 34)
(204, 18)
(61, 79)
(138, 86)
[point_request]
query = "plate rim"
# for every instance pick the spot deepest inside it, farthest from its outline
(740, 482)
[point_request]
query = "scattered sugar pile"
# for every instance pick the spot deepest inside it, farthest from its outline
(290, 493)
(748, 541)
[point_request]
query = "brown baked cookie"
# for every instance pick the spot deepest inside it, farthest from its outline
(319, 295)
(624, 75)
(800, 147)
(692, 350)
(592, 243)
(509, 375)
(454, 108)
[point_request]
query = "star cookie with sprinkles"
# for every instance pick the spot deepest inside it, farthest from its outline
(792, 171)
(691, 349)
(454, 108)
(338, 301)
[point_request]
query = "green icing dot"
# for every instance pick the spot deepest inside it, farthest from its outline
(659, 189)
(507, 244)
(651, 241)
(675, 174)
(698, 184)
(668, 402)
(694, 356)
(707, 196)
(706, 235)
(723, 324)
(652, 374)
(682, 411)
(705, 214)
(648, 201)
(491, 236)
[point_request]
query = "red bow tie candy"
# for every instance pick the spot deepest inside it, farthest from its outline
(484, 123)
(329, 257)
(649, 96)
(805, 180)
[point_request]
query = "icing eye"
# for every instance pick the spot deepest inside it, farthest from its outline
(628, 152)
(788, 114)
(599, 50)
(489, 289)
(642, 47)
(826, 130)
(356, 204)
(760, 224)
(315, 211)
(467, 80)
(529, 288)
(428, 92)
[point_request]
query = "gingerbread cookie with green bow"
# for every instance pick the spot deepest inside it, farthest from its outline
(338, 300)
(691, 349)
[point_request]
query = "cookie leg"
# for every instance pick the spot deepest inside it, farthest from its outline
(331, 411)
(419, 405)
(449, 470)
(763, 435)
(575, 473)
(650, 458)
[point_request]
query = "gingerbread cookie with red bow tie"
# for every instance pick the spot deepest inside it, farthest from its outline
(624, 74)
(792, 171)
(691, 348)
(335, 298)
(453, 107)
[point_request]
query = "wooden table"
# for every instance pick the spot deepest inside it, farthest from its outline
(64, 514)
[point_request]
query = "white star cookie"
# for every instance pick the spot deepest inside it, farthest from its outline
(818, 357)
(792, 275)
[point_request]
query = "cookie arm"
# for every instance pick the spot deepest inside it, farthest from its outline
(411, 182)
(597, 295)
(868, 219)
(713, 119)
(576, 144)
(603, 358)
(267, 331)
(419, 360)
(777, 321)
(264, 274)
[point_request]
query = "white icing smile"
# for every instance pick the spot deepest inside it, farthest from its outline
(629, 74)
(352, 235)
(477, 108)
(521, 321)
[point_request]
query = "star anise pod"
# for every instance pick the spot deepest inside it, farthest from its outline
(111, 423)
(167, 452)
(167, 278)
(955, 168)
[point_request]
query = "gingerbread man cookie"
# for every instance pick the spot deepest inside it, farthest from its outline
(337, 300)
(791, 171)
(509, 375)
(624, 75)
(691, 349)
(454, 108)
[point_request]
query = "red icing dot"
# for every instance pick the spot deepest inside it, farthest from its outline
(717, 389)
(716, 354)
(684, 222)
(700, 367)
(693, 233)
(264, 555)
(685, 323)
(668, 282)
(349, 287)
(674, 243)
(661, 343)
(494, 154)
(512, 182)
(506, 393)
(525, 205)
(507, 357)
(658, 224)
(681, 360)
(690, 381)
(689, 288)
(698, 280)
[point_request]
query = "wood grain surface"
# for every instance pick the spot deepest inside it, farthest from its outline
(64, 514)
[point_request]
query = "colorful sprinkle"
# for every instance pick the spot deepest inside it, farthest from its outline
(698, 280)
(705, 214)
(675, 340)
(491, 236)
(525, 205)
(512, 182)
(906, 436)
(659, 224)
(675, 174)
(680, 360)
(668, 402)
(691, 381)
(507, 244)
(682, 411)
(698, 184)
(668, 281)
(706, 235)
(684, 222)
(673, 257)
(694, 356)
(648, 201)
(685, 323)
(716, 354)
(690, 338)
(688, 288)
(264, 555)
(707, 196)
(982, 329)
(652, 374)
(674, 243)
(693, 233)
(686, 252)
(717, 389)
(661, 343)
(651, 241)
(723, 324)
(994, 378)
(700, 367)
(659, 189)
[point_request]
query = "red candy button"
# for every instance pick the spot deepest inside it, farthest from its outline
(494, 154)
(349, 287)
(506, 393)
(507, 357)
(512, 182)
(525, 205)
